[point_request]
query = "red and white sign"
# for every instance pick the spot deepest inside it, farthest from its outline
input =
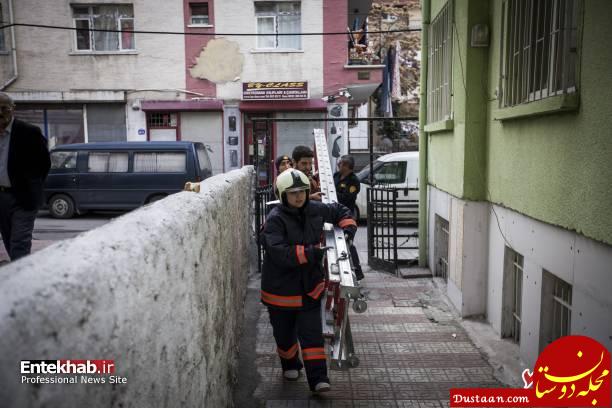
(265, 91)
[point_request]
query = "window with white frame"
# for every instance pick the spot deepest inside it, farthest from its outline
(118, 19)
(556, 309)
(512, 295)
(274, 20)
(199, 13)
(539, 50)
(439, 73)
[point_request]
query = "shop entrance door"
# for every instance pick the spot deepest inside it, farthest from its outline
(259, 147)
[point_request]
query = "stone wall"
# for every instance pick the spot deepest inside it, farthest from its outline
(159, 290)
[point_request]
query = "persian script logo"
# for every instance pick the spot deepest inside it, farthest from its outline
(571, 371)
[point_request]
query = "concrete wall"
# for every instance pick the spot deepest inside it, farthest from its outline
(564, 158)
(307, 65)
(583, 263)
(52, 65)
(158, 290)
(467, 252)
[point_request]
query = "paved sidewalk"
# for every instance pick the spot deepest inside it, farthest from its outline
(412, 350)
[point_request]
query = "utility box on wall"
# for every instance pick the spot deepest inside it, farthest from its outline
(231, 138)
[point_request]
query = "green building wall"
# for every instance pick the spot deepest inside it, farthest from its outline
(557, 167)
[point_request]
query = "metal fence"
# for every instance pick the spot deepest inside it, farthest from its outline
(263, 195)
(392, 227)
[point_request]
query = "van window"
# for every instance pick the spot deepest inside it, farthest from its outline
(160, 162)
(107, 162)
(63, 160)
(203, 159)
(391, 173)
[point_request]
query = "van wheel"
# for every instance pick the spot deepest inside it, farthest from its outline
(155, 198)
(61, 206)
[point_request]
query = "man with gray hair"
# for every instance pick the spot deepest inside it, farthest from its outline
(24, 164)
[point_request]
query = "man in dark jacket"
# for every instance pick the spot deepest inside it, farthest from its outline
(24, 164)
(293, 279)
(347, 188)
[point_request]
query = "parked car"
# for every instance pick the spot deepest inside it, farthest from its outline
(120, 175)
(395, 170)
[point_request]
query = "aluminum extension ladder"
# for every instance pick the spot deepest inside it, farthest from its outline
(342, 286)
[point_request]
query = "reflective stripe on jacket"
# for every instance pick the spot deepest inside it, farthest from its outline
(291, 276)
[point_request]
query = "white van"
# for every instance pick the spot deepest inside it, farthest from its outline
(396, 170)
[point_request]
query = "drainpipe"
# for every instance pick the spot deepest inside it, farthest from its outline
(13, 48)
(423, 203)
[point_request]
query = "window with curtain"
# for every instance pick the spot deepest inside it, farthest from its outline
(275, 18)
(107, 162)
(117, 17)
(159, 162)
(199, 13)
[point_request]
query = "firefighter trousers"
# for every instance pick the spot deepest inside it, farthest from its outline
(291, 326)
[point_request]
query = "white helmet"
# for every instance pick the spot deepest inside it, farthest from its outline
(291, 180)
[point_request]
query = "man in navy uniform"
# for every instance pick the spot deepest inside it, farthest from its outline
(347, 188)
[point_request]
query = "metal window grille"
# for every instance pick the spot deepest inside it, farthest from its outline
(439, 72)
(441, 247)
(562, 308)
(556, 309)
(538, 50)
(162, 120)
(517, 295)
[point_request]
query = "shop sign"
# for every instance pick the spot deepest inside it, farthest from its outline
(265, 91)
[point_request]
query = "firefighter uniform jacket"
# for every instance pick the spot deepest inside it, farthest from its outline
(292, 278)
(347, 189)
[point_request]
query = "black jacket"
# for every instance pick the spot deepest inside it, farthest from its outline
(28, 164)
(347, 189)
(291, 276)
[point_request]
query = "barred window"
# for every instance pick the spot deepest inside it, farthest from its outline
(556, 309)
(439, 73)
(512, 295)
(538, 50)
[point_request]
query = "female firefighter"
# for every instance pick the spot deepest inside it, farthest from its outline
(292, 279)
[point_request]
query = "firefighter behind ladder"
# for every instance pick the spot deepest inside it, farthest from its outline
(292, 281)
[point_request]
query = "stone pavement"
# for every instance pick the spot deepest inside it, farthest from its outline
(412, 350)
(37, 245)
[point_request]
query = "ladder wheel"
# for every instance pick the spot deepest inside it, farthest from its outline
(353, 361)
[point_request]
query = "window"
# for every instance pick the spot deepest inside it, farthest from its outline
(539, 50)
(390, 173)
(439, 74)
(63, 160)
(441, 235)
(107, 163)
(512, 295)
(274, 18)
(556, 310)
(162, 120)
(160, 162)
(199, 13)
(119, 18)
(204, 160)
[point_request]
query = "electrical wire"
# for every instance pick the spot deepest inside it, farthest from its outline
(405, 30)
(480, 172)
